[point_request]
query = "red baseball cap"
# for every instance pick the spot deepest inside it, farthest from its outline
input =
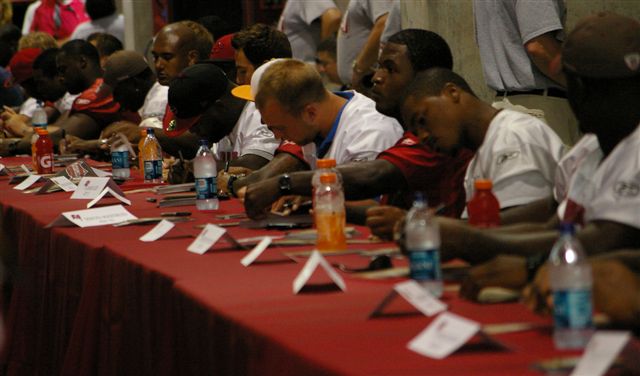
(222, 49)
(21, 64)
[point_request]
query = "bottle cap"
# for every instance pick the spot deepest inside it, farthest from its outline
(42, 131)
(483, 184)
(149, 131)
(204, 142)
(325, 163)
(328, 178)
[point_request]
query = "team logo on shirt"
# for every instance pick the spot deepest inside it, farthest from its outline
(408, 142)
(82, 101)
(626, 189)
(502, 158)
(172, 125)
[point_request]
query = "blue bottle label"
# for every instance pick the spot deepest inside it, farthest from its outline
(206, 188)
(572, 309)
(119, 159)
(153, 169)
(424, 265)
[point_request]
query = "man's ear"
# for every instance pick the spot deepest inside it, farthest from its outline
(193, 56)
(452, 92)
(310, 113)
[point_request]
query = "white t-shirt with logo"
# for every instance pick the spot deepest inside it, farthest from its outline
(361, 135)
(250, 136)
(606, 189)
(520, 155)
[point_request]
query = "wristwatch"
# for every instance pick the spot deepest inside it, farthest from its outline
(284, 184)
(232, 179)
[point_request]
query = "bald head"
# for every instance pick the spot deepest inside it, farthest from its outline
(177, 46)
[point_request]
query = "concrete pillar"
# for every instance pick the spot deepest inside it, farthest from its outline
(138, 24)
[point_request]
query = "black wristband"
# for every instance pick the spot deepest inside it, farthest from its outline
(230, 181)
(533, 263)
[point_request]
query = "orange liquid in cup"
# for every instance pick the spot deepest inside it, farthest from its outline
(330, 227)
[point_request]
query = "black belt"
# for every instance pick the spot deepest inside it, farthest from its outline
(550, 92)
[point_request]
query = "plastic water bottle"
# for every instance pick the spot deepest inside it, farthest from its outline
(422, 241)
(329, 214)
(44, 152)
(152, 158)
(571, 281)
(204, 171)
(120, 161)
(39, 119)
(483, 208)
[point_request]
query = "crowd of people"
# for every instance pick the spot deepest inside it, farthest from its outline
(559, 141)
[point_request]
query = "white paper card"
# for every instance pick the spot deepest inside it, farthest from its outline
(64, 183)
(601, 351)
(256, 251)
(28, 182)
(109, 191)
(158, 231)
(447, 333)
(89, 188)
(2, 167)
(101, 173)
(106, 215)
(310, 266)
(207, 238)
(26, 169)
(420, 298)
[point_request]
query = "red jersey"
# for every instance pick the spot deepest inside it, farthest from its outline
(440, 176)
(97, 102)
(58, 20)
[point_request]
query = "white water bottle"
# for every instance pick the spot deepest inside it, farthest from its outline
(422, 241)
(120, 160)
(570, 279)
(151, 154)
(204, 171)
(39, 119)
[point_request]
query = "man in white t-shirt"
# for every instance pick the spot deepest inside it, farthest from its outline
(516, 151)
(200, 101)
(598, 181)
(294, 104)
(306, 23)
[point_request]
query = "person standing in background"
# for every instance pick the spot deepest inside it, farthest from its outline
(307, 23)
(104, 19)
(59, 17)
(359, 41)
(517, 42)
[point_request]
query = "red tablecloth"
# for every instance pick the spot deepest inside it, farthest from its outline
(99, 301)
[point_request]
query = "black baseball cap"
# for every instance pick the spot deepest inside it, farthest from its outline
(194, 90)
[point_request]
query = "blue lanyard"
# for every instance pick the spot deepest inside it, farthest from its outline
(323, 145)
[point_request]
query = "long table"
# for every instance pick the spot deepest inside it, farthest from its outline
(97, 301)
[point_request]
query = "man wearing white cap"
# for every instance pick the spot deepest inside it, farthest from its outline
(294, 104)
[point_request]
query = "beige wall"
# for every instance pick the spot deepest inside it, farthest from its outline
(453, 19)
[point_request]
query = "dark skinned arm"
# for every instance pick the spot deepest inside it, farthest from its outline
(361, 180)
(476, 245)
(534, 212)
(250, 161)
(81, 125)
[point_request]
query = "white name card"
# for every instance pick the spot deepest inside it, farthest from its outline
(64, 183)
(310, 266)
(601, 351)
(420, 298)
(256, 251)
(207, 238)
(447, 333)
(28, 182)
(106, 215)
(111, 192)
(158, 231)
(26, 169)
(89, 188)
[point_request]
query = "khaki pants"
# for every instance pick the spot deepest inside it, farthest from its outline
(556, 112)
